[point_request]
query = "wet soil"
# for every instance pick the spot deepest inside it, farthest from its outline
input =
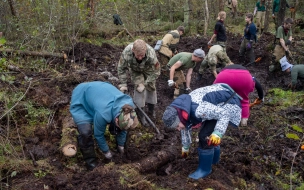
(246, 156)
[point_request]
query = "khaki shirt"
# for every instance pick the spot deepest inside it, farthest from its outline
(171, 38)
(185, 58)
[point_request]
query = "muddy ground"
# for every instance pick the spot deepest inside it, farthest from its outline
(248, 160)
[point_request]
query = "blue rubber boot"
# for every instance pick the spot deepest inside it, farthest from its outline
(204, 165)
(217, 153)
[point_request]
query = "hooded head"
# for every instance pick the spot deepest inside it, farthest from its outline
(127, 118)
(285, 65)
(170, 117)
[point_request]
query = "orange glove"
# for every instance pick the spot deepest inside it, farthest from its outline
(214, 140)
(256, 102)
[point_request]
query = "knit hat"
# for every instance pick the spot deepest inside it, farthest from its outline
(127, 120)
(284, 64)
(170, 117)
(199, 53)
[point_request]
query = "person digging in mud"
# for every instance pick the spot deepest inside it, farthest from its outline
(91, 105)
(260, 10)
(169, 46)
(219, 31)
(241, 81)
(215, 55)
(180, 62)
(140, 60)
(216, 106)
(283, 42)
(249, 38)
(297, 72)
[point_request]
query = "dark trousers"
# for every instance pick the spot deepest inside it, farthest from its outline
(206, 131)
(85, 137)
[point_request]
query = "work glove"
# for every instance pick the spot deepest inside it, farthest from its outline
(171, 83)
(123, 88)
(244, 122)
(188, 90)
(273, 16)
(249, 45)
(185, 152)
(288, 42)
(257, 101)
(213, 139)
(140, 88)
(209, 43)
(108, 155)
(287, 53)
(292, 9)
(121, 149)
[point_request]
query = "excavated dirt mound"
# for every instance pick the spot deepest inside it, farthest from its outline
(240, 149)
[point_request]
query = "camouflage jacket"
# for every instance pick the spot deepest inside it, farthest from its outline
(149, 66)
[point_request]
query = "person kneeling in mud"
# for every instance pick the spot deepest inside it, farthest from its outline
(91, 105)
(180, 62)
(217, 106)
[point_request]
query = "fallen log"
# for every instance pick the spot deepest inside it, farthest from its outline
(68, 143)
(35, 53)
(155, 161)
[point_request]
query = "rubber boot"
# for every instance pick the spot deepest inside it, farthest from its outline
(204, 165)
(151, 110)
(217, 153)
(142, 118)
(89, 157)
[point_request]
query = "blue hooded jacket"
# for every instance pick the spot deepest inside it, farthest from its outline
(99, 103)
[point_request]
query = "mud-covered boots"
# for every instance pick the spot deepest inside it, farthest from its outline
(89, 157)
(151, 110)
(142, 118)
(204, 165)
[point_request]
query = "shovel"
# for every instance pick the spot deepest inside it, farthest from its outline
(147, 117)
(256, 61)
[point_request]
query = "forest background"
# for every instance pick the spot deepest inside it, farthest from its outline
(34, 29)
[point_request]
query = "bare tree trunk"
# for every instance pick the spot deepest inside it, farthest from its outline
(281, 14)
(186, 13)
(221, 5)
(267, 14)
(12, 6)
(91, 6)
(206, 17)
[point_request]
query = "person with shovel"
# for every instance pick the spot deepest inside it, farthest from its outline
(216, 106)
(282, 43)
(91, 105)
(216, 55)
(241, 81)
(140, 60)
(297, 72)
(177, 64)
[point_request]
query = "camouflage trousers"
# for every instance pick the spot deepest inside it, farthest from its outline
(223, 44)
(164, 69)
(148, 95)
(179, 79)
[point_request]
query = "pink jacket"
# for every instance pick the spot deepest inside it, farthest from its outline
(241, 82)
